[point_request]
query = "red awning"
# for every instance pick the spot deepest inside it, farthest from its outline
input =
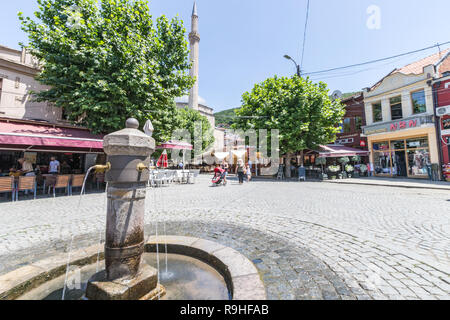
(47, 137)
(336, 151)
(175, 145)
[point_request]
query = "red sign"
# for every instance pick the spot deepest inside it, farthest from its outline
(362, 143)
(403, 125)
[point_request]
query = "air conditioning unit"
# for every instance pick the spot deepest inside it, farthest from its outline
(442, 111)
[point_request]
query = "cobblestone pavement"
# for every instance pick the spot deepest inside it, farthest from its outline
(352, 242)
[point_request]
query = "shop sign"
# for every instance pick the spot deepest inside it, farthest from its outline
(362, 143)
(403, 125)
(397, 125)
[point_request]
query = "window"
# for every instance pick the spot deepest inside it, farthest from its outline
(382, 162)
(347, 125)
(378, 146)
(398, 144)
(396, 108)
(358, 123)
(417, 142)
(418, 101)
(377, 115)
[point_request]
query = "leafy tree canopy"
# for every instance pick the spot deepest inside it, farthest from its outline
(301, 110)
(200, 130)
(106, 60)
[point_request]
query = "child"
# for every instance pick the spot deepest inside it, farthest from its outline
(249, 173)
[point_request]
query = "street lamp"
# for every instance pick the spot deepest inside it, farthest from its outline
(299, 73)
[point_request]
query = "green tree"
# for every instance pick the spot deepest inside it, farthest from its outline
(301, 110)
(106, 60)
(198, 126)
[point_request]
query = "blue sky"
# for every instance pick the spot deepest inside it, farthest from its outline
(243, 41)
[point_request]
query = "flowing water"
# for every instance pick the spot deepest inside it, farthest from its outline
(192, 280)
(72, 238)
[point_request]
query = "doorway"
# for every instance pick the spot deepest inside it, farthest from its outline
(400, 164)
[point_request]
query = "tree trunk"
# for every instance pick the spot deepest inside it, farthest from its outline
(287, 165)
(302, 158)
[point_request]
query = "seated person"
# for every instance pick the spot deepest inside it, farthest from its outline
(13, 172)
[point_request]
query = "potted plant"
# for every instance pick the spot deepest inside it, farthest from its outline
(333, 171)
(363, 169)
(321, 162)
(343, 161)
(356, 159)
(349, 169)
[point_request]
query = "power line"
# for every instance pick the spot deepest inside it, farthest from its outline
(378, 60)
(304, 35)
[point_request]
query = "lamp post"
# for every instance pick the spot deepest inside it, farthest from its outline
(299, 73)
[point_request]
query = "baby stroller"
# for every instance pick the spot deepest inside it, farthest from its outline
(219, 178)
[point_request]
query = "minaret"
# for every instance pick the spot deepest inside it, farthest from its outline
(194, 39)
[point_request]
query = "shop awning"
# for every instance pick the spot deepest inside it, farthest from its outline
(337, 151)
(39, 136)
(175, 145)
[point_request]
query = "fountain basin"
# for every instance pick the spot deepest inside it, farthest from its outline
(239, 275)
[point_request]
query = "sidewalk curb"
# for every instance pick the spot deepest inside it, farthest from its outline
(393, 186)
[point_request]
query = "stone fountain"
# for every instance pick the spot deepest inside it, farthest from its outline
(126, 276)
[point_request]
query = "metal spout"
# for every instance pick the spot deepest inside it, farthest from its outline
(141, 167)
(101, 167)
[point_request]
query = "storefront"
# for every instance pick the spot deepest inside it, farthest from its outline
(403, 148)
(445, 138)
(75, 148)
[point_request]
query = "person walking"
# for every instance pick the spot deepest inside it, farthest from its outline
(240, 170)
(248, 172)
(226, 168)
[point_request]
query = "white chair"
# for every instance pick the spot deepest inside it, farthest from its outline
(193, 174)
(157, 179)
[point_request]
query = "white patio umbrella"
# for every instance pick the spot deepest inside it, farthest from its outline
(221, 155)
(239, 153)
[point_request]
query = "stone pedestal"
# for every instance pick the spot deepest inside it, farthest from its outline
(144, 286)
(125, 276)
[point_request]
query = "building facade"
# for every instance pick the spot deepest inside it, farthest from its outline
(441, 92)
(400, 120)
(354, 121)
(17, 72)
(36, 130)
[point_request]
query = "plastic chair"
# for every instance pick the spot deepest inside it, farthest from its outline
(7, 185)
(26, 184)
(62, 181)
(76, 182)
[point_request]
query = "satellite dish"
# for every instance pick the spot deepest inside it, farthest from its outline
(336, 95)
(148, 128)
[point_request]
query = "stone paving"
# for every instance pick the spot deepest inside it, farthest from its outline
(308, 240)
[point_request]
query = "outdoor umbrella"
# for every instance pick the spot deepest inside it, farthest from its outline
(163, 161)
(221, 155)
(176, 145)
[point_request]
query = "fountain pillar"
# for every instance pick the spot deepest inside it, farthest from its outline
(125, 276)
